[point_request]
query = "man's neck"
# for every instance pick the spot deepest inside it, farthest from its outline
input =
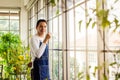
(41, 35)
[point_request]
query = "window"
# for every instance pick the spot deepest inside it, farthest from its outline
(9, 21)
(75, 47)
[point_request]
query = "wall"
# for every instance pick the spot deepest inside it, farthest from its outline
(10, 3)
(24, 21)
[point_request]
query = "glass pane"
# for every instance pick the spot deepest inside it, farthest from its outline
(4, 32)
(41, 14)
(51, 63)
(4, 16)
(71, 68)
(92, 62)
(55, 65)
(80, 27)
(50, 12)
(15, 32)
(77, 64)
(79, 1)
(114, 40)
(80, 66)
(60, 32)
(14, 24)
(60, 66)
(50, 28)
(69, 3)
(54, 11)
(92, 32)
(4, 24)
(70, 29)
(55, 33)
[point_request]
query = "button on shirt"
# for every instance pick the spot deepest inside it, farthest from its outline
(36, 51)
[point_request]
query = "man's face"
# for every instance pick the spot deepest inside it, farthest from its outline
(41, 28)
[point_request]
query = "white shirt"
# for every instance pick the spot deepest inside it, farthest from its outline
(35, 49)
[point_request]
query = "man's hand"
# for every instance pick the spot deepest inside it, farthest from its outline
(47, 37)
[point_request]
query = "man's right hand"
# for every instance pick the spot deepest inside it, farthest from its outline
(47, 37)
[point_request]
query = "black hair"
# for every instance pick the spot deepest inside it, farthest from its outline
(41, 20)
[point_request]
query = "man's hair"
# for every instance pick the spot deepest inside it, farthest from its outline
(40, 20)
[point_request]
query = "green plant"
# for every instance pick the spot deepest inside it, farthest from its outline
(15, 56)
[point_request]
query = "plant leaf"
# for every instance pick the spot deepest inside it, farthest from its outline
(53, 2)
(105, 77)
(93, 25)
(88, 22)
(57, 12)
(80, 25)
(80, 75)
(87, 77)
(111, 64)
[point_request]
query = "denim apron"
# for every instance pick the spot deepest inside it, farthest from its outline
(41, 66)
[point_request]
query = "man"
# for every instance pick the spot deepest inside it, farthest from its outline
(39, 52)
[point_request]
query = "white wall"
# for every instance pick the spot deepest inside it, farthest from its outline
(10, 3)
(23, 14)
(24, 21)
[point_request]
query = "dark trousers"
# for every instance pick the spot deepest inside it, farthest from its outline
(32, 75)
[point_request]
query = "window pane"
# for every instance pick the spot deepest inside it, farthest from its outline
(41, 14)
(71, 65)
(55, 33)
(4, 24)
(4, 17)
(50, 12)
(78, 1)
(80, 27)
(92, 63)
(4, 32)
(55, 65)
(15, 32)
(80, 62)
(60, 66)
(114, 40)
(51, 30)
(14, 24)
(69, 3)
(60, 32)
(70, 29)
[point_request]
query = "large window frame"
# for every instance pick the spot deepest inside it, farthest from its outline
(63, 21)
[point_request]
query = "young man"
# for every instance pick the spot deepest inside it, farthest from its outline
(39, 52)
